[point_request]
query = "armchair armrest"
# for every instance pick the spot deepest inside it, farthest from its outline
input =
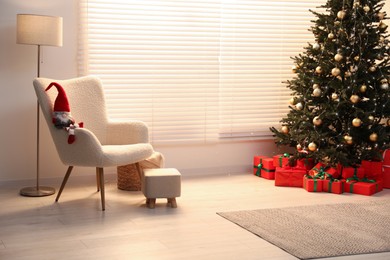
(127, 132)
(85, 151)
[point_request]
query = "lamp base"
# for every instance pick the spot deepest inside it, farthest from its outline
(41, 191)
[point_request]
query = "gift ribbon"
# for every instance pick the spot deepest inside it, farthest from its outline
(285, 155)
(330, 184)
(259, 166)
(314, 178)
(354, 177)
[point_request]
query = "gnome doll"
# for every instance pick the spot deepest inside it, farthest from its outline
(62, 119)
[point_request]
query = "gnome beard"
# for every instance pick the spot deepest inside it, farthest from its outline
(62, 118)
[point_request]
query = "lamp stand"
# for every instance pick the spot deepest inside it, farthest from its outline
(37, 191)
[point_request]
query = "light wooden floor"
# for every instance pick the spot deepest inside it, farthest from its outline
(76, 228)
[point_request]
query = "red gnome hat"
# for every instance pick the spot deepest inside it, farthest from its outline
(61, 116)
(61, 103)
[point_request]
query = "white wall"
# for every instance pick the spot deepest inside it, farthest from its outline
(18, 64)
(18, 67)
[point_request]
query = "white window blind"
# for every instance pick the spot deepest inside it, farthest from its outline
(195, 71)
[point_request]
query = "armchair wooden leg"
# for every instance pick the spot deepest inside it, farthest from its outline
(97, 180)
(101, 184)
(68, 172)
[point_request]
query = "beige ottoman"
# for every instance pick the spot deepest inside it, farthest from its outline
(161, 183)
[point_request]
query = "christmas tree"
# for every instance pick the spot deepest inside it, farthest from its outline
(340, 105)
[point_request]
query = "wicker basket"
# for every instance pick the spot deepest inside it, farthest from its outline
(128, 176)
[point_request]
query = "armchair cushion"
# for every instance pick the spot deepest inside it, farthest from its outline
(127, 132)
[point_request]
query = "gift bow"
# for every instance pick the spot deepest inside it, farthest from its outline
(259, 166)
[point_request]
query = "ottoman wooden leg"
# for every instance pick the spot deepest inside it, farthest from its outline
(172, 201)
(150, 203)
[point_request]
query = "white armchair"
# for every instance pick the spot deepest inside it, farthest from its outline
(101, 142)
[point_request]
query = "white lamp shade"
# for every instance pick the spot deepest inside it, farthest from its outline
(39, 29)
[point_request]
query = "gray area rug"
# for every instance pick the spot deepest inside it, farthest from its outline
(321, 231)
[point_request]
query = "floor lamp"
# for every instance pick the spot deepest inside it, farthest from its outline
(38, 30)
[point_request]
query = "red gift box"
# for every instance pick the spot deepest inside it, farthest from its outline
(386, 169)
(373, 169)
(264, 167)
(289, 176)
(352, 173)
(386, 177)
(312, 183)
(334, 173)
(363, 188)
(333, 186)
(257, 160)
(386, 157)
(306, 163)
(281, 160)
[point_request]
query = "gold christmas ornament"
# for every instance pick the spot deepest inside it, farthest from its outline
(299, 106)
(382, 25)
(285, 129)
(341, 14)
(294, 68)
(348, 74)
(338, 57)
(319, 70)
(356, 122)
(373, 137)
(317, 121)
(348, 139)
(371, 118)
(312, 146)
(356, 3)
(363, 88)
(316, 86)
(299, 147)
(330, 36)
(366, 8)
(336, 72)
(335, 96)
(292, 101)
(372, 68)
(317, 92)
(356, 58)
(354, 99)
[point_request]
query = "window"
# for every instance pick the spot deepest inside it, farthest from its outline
(195, 71)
